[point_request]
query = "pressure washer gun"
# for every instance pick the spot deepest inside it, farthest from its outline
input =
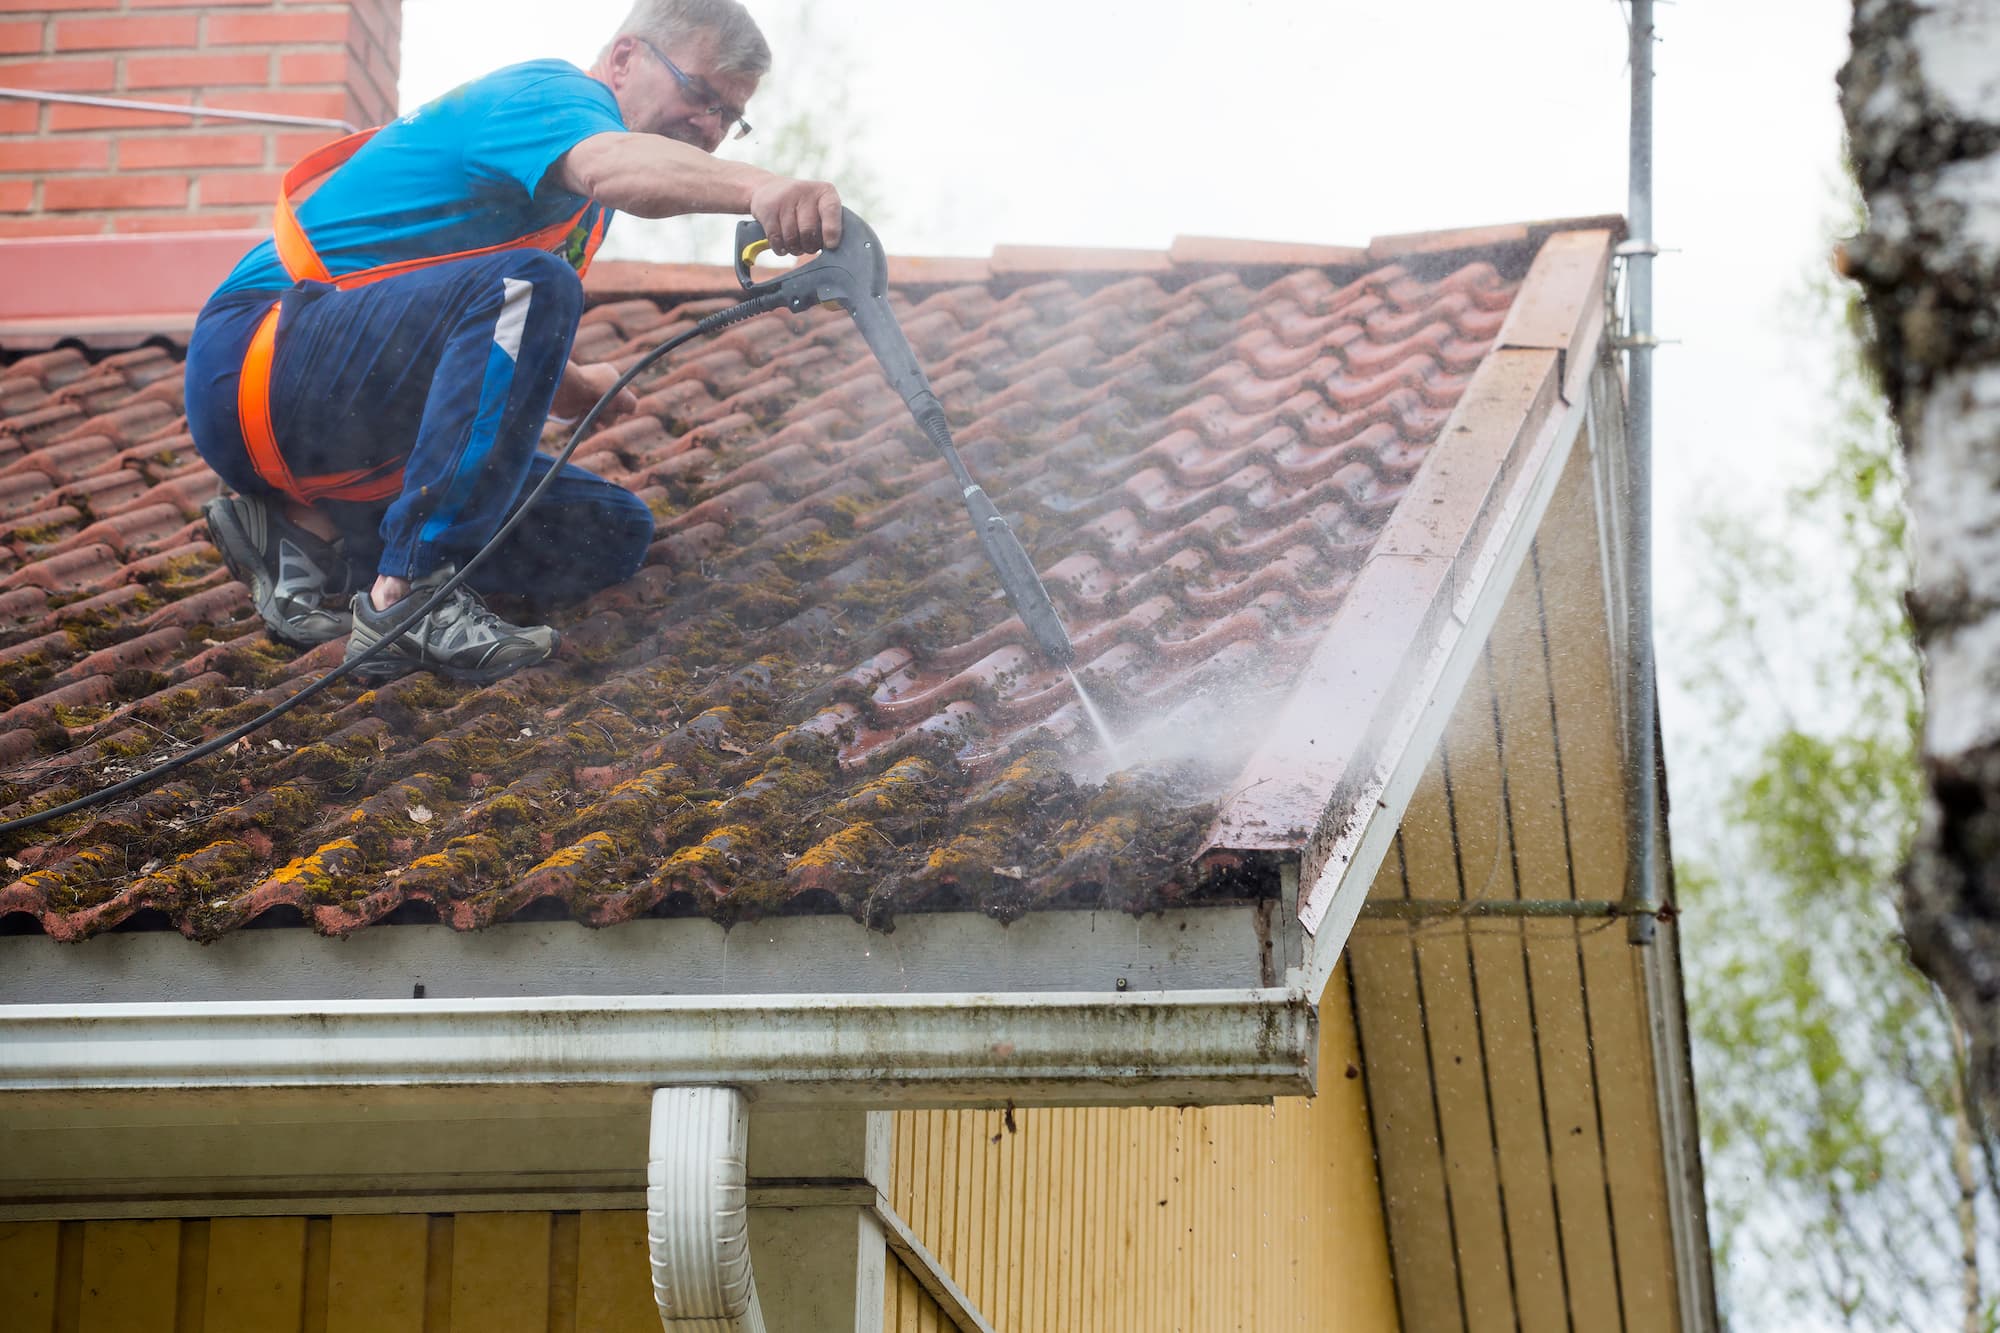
(854, 276)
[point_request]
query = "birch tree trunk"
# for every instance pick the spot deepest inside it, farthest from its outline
(1921, 96)
(1968, 1215)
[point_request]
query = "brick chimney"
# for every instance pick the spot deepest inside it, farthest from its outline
(69, 170)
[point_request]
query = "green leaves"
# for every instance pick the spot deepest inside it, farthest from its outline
(1828, 1068)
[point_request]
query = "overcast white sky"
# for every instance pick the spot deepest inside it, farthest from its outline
(1072, 122)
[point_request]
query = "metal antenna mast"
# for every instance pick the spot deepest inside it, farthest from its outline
(1643, 754)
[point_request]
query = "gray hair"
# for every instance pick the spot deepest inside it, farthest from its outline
(739, 43)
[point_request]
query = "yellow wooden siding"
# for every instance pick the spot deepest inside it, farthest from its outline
(494, 1272)
(375, 1274)
(1510, 1074)
(910, 1308)
(28, 1282)
(1155, 1220)
(491, 1272)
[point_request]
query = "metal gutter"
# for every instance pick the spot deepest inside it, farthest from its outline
(170, 109)
(878, 1051)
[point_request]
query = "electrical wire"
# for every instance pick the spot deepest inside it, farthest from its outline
(711, 324)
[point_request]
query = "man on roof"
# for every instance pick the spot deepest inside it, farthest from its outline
(372, 382)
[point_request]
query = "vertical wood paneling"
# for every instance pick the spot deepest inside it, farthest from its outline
(1407, 1138)
(1566, 1082)
(1429, 870)
(28, 1277)
(1634, 1155)
(1479, 792)
(1578, 646)
(500, 1272)
(1569, 1086)
(1523, 1043)
(564, 1240)
(438, 1243)
(1150, 1220)
(1519, 659)
(910, 1308)
(319, 1258)
(131, 1272)
(69, 1277)
(191, 1300)
(1458, 1067)
(256, 1274)
(375, 1274)
(614, 1276)
(1482, 754)
(1513, 1073)
(491, 1272)
(1333, 1201)
(1453, 1011)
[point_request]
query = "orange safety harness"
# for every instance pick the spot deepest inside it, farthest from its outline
(301, 263)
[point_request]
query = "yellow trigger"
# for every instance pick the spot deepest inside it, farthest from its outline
(755, 248)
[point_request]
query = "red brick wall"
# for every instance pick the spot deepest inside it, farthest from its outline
(73, 170)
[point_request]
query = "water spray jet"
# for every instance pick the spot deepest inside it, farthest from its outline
(1096, 720)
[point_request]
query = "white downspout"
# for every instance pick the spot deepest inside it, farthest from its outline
(698, 1213)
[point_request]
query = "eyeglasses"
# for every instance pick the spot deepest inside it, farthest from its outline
(698, 92)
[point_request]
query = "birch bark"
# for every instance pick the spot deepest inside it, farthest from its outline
(1921, 97)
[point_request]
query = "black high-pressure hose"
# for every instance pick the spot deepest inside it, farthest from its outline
(852, 276)
(721, 319)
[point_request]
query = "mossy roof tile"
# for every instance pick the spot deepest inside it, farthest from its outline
(814, 697)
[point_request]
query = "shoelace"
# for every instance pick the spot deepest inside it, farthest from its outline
(463, 605)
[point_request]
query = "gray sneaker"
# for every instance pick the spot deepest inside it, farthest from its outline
(297, 581)
(461, 640)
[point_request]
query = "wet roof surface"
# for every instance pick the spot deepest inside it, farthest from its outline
(813, 698)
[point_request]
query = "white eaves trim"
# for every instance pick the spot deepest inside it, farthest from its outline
(880, 1051)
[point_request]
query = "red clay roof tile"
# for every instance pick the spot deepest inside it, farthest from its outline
(813, 698)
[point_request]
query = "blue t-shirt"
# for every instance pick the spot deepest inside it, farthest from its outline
(466, 171)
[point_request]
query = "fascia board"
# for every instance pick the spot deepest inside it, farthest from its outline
(882, 1051)
(1216, 946)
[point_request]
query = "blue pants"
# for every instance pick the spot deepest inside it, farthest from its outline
(450, 369)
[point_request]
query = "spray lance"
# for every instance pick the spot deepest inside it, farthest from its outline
(854, 276)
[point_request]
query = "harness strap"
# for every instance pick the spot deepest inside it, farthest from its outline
(253, 411)
(303, 263)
